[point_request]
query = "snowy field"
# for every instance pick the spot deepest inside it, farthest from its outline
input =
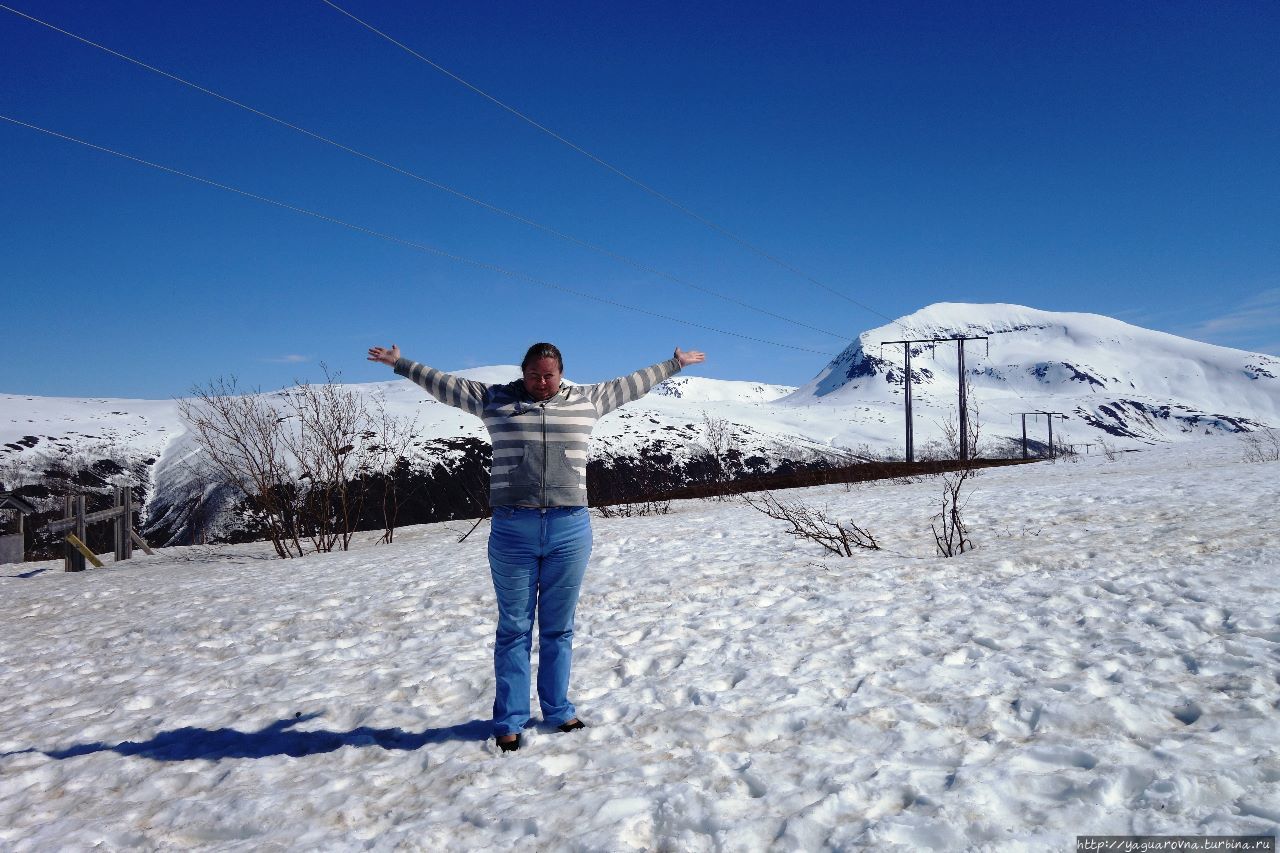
(1106, 661)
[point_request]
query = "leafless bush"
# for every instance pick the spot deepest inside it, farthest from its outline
(840, 538)
(389, 455)
(933, 451)
(864, 452)
(13, 474)
(718, 437)
(949, 531)
(326, 445)
(243, 438)
(1261, 446)
(65, 462)
(951, 438)
(305, 458)
(1108, 449)
(636, 509)
(1025, 533)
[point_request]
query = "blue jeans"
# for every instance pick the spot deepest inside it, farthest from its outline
(537, 558)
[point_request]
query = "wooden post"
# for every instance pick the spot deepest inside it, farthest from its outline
(126, 523)
(115, 528)
(66, 546)
(122, 525)
(82, 526)
(72, 559)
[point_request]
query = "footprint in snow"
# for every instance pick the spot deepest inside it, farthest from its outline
(1187, 713)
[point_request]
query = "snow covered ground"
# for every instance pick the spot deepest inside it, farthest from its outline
(1106, 661)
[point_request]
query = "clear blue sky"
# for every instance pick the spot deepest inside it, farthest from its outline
(1117, 158)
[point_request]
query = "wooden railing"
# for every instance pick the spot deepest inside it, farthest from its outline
(77, 520)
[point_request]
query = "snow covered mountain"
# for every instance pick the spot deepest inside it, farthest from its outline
(1129, 386)
(1112, 379)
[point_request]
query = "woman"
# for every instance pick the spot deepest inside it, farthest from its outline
(540, 538)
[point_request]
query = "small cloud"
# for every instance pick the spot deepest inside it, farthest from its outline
(1247, 324)
(288, 359)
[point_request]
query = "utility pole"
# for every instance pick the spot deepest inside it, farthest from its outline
(964, 395)
(1049, 416)
(911, 445)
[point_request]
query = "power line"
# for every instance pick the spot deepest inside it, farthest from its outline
(605, 164)
(423, 247)
(636, 264)
(444, 188)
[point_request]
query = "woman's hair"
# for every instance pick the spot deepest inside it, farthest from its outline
(542, 350)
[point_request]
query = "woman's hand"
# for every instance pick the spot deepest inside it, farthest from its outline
(687, 358)
(386, 356)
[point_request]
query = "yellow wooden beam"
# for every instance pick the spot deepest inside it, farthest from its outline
(84, 549)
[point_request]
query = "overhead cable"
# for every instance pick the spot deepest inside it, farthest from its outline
(605, 164)
(636, 264)
(422, 247)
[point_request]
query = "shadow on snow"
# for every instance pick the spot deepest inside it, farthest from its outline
(187, 743)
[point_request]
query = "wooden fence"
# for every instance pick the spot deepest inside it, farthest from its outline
(77, 520)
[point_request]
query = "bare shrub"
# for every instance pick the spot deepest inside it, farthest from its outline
(952, 441)
(388, 457)
(329, 425)
(306, 458)
(242, 437)
(864, 452)
(635, 509)
(1261, 446)
(718, 437)
(814, 525)
(1108, 449)
(933, 451)
(68, 463)
(949, 531)
(13, 474)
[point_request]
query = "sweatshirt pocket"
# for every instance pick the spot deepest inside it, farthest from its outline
(528, 471)
(560, 471)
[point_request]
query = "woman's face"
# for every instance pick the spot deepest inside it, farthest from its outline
(542, 378)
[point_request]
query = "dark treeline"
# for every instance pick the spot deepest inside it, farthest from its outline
(454, 486)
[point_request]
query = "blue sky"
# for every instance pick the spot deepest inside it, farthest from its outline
(1102, 157)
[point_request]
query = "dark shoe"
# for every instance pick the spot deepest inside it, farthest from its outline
(572, 726)
(510, 745)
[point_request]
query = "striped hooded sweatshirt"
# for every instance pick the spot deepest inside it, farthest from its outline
(539, 447)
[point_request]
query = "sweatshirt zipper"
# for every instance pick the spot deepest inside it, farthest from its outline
(543, 409)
